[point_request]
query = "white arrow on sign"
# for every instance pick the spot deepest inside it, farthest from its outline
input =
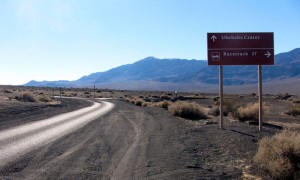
(213, 38)
(268, 54)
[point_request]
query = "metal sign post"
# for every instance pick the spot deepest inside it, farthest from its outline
(94, 91)
(221, 97)
(260, 97)
(241, 49)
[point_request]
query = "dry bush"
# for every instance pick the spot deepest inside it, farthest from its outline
(280, 155)
(165, 96)
(26, 97)
(249, 112)
(294, 111)
(215, 111)
(7, 91)
(231, 106)
(163, 104)
(216, 99)
(147, 104)
(187, 110)
(45, 98)
(137, 101)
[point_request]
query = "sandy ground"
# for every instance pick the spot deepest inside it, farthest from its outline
(133, 142)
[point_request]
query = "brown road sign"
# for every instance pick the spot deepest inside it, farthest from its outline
(240, 48)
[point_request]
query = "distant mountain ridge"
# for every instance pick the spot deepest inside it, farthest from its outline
(182, 71)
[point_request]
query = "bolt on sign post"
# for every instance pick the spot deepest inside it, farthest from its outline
(241, 49)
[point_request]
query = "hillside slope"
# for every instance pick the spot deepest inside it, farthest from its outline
(182, 71)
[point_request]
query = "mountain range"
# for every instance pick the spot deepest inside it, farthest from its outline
(168, 74)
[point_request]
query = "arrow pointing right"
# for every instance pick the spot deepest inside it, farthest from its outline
(268, 54)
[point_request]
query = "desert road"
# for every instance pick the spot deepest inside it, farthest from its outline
(17, 141)
(128, 142)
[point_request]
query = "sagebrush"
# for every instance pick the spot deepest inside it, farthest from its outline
(26, 97)
(280, 155)
(249, 112)
(187, 110)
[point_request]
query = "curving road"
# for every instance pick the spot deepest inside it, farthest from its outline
(17, 141)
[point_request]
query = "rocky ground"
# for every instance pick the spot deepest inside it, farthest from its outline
(133, 142)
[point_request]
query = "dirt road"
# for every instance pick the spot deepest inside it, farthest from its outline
(19, 140)
(133, 142)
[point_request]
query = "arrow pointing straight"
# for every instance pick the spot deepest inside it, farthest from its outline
(268, 54)
(213, 38)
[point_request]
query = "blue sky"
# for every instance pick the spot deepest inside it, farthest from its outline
(66, 39)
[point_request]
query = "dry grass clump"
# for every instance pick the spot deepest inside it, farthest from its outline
(26, 97)
(7, 91)
(249, 112)
(280, 155)
(45, 98)
(187, 110)
(166, 96)
(215, 111)
(163, 104)
(29, 97)
(139, 102)
(136, 101)
(294, 111)
(231, 106)
(147, 104)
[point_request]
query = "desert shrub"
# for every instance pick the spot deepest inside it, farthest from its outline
(280, 155)
(231, 106)
(249, 112)
(132, 101)
(294, 111)
(187, 110)
(73, 94)
(155, 96)
(27, 97)
(163, 104)
(165, 96)
(138, 102)
(296, 101)
(45, 98)
(7, 91)
(87, 92)
(169, 94)
(285, 96)
(215, 111)
(127, 99)
(147, 104)
(215, 98)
